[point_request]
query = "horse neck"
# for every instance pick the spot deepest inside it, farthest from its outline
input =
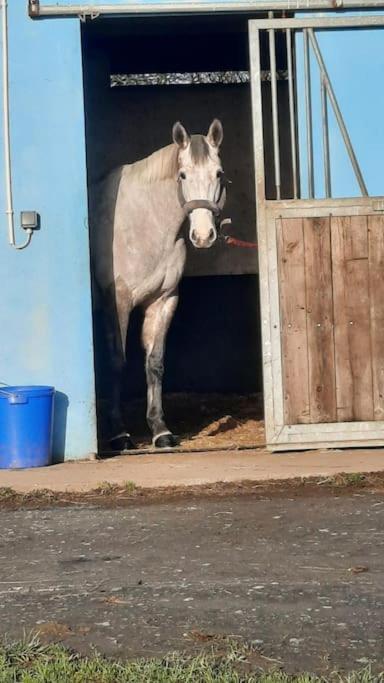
(166, 205)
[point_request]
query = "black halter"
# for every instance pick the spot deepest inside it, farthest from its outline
(215, 207)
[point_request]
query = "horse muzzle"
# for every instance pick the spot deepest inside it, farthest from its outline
(202, 228)
(203, 240)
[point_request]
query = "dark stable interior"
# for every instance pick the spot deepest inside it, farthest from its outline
(214, 344)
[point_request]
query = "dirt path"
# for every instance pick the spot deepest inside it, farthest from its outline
(192, 469)
(299, 575)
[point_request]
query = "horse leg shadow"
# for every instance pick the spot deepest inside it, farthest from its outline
(117, 308)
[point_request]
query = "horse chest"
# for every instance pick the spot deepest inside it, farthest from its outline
(162, 277)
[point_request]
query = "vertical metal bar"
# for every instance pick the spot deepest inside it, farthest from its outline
(292, 118)
(275, 115)
(324, 122)
(338, 114)
(266, 229)
(257, 113)
(308, 115)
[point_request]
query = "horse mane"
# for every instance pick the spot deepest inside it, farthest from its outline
(160, 165)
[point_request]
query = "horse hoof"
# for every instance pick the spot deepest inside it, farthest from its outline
(122, 442)
(165, 441)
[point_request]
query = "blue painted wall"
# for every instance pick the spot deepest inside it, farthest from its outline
(355, 62)
(45, 307)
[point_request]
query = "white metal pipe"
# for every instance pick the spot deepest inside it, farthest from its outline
(257, 119)
(7, 136)
(275, 112)
(308, 115)
(292, 113)
(88, 10)
(326, 155)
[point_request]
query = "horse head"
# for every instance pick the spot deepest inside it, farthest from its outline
(201, 181)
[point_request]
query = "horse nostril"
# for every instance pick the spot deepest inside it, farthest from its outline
(211, 234)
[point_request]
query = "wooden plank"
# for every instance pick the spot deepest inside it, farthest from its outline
(319, 302)
(353, 355)
(327, 206)
(356, 239)
(376, 287)
(290, 241)
(309, 208)
(276, 359)
(344, 381)
(358, 312)
(341, 434)
(282, 446)
(333, 429)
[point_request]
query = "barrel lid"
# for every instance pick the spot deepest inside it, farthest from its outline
(33, 391)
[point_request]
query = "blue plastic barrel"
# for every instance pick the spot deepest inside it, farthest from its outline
(26, 422)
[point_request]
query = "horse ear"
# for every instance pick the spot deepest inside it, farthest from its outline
(215, 134)
(180, 135)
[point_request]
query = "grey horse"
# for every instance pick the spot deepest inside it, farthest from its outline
(138, 254)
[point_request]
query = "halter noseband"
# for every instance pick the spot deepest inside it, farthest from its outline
(215, 207)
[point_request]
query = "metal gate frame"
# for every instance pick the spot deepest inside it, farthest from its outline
(280, 436)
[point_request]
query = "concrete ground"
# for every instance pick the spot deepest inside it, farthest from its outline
(298, 572)
(191, 469)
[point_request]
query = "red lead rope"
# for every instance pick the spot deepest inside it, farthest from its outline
(234, 242)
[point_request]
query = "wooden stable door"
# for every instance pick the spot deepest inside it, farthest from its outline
(331, 284)
(322, 289)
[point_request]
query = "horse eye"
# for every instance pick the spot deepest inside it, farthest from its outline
(219, 174)
(182, 175)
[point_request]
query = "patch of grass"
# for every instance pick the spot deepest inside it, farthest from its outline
(6, 492)
(352, 479)
(127, 493)
(22, 652)
(346, 479)
(106, 488)
(29, 661)
(39, 494)
(129, 486)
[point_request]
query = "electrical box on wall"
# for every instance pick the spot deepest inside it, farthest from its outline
(30, 220)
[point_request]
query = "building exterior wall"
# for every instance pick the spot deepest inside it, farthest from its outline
(45, 309)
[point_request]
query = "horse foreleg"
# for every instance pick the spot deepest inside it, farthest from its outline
(118, 309)
(157, 318)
